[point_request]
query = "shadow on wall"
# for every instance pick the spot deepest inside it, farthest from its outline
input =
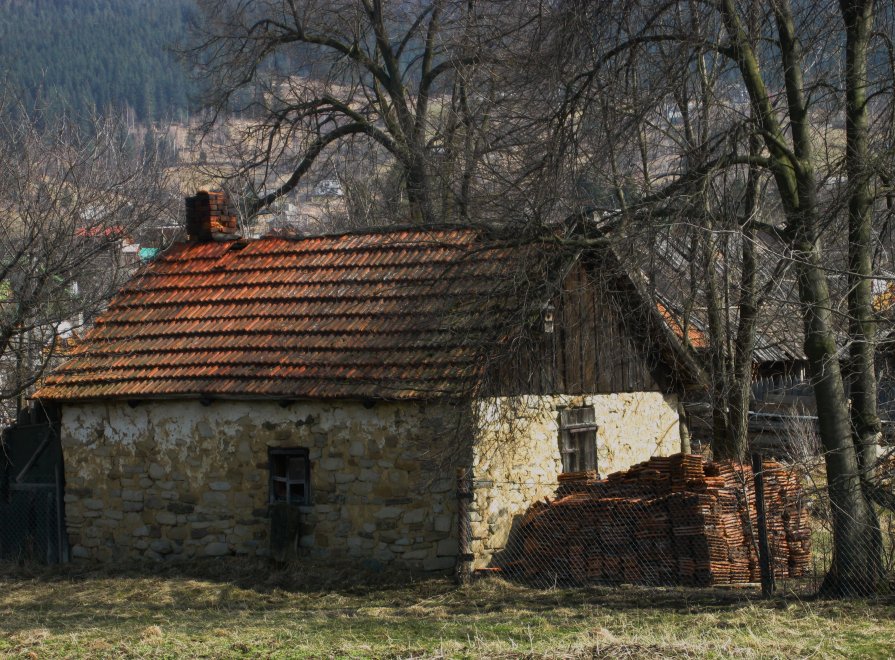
(509, 559)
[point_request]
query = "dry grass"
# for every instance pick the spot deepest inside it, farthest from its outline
(243, 609)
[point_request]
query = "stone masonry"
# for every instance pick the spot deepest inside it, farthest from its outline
(176, 479)
(172, 479)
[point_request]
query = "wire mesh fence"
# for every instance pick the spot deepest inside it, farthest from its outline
(875, 536)
(31, 526)
(672, 521)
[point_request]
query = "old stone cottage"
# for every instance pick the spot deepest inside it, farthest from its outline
(317, 395)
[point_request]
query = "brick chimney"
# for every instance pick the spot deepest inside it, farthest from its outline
(209, 216)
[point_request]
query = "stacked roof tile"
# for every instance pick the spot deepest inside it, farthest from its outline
(398, 314)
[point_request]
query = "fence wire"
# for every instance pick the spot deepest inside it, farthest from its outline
(876, 536)
(30, 525)
(676, 521)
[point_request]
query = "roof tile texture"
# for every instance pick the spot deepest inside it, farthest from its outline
(396, 314)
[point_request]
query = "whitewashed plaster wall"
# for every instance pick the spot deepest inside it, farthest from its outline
(516, 460)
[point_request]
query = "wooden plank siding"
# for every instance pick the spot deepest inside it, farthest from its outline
(601, 343)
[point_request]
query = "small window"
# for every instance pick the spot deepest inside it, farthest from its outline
(578, 439)
(290, 476)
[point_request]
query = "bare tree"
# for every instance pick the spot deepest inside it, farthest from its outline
(488, 111)
(353, 69)
(70, 196)
(440, 92)
(682, 160)
(795, 82)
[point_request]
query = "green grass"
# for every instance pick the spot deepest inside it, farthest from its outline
(244, 609)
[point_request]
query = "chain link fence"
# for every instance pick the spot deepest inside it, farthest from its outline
(675, 521)
(31, 525)
(806, 462)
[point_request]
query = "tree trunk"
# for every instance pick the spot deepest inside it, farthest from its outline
(858, 17)
(741, 386)
(865, 423)
(684, 427)
(857, 562)
(418, 193)
(723, 444)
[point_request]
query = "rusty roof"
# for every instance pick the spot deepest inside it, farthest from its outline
(387, 314)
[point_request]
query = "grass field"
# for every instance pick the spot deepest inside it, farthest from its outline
(241, 609)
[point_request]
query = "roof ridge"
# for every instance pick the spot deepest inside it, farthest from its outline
(386, 229)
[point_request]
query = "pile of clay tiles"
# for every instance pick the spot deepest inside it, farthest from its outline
(676, 520)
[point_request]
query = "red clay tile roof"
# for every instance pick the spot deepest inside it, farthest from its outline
(884, 301)
(399, 314)
(695, 336)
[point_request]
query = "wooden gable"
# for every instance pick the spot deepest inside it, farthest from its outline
(603, 340)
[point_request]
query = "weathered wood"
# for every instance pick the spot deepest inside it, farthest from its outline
(464, 529)
(597, 346)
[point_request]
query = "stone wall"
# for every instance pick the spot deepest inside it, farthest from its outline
(517, 460)
(179, 479)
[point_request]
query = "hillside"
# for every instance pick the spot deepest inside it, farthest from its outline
(97, 54)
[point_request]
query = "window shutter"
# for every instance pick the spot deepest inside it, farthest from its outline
(578, 439)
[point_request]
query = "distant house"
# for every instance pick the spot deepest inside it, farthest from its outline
(328, 188)
(50, 291)
(319, 395)
(782, 399)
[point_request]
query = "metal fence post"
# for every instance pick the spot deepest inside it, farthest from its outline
(764, 549)
(464, 531)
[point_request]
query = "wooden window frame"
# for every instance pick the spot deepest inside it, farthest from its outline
(578, 439)
(279, 462)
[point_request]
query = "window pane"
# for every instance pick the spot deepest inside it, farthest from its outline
(573, 416)
(289, 475)
(297, 468)
(279, 490)
(578, 439)
(278, 466)
(588, 450)
(297, 493)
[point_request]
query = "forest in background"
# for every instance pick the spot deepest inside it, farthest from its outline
(98, 55)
